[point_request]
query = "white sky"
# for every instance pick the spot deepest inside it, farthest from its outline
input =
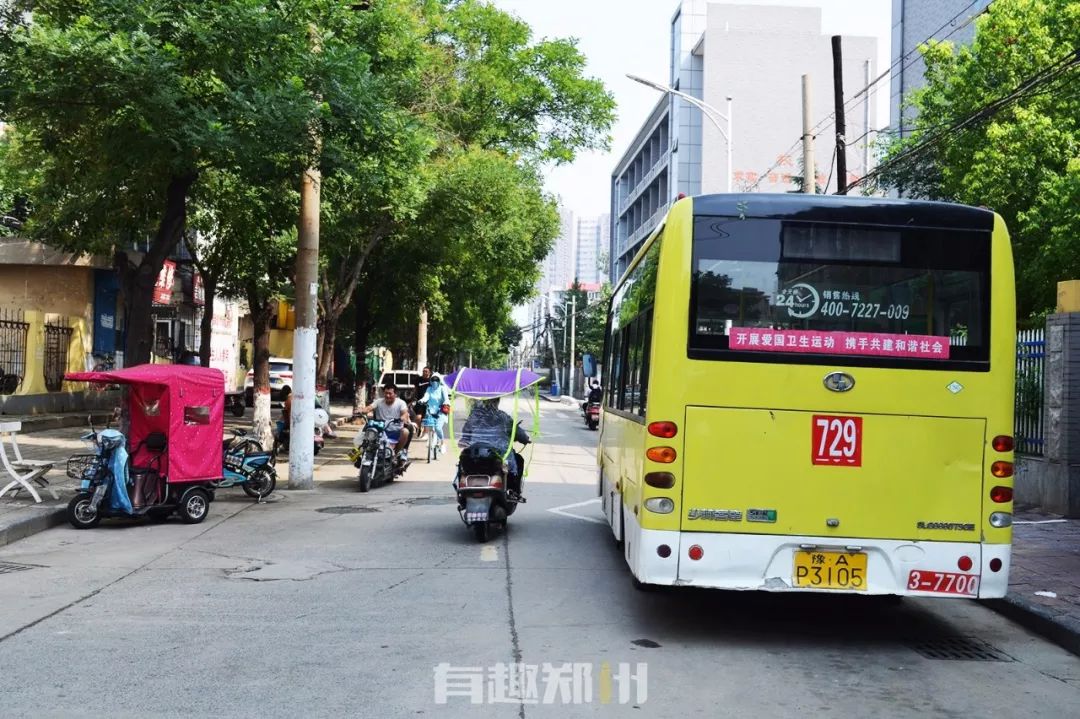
(632, 36)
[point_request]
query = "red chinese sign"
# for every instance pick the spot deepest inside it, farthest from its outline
(199, 291)
(163, 288)
(874, 344)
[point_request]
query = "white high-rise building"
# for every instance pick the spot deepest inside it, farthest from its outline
(593, 235)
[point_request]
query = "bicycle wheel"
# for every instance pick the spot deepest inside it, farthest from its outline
(430, 444)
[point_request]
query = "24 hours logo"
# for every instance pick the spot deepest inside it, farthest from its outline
(801, 300)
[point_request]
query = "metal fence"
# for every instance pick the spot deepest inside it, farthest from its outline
(1030, 374)
(13, 332)
(57, 341)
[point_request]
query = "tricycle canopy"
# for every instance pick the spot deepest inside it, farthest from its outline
(489, 383)
(184, 403)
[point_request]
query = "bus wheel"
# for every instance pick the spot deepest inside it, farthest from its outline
(621, 539)
(642, 586)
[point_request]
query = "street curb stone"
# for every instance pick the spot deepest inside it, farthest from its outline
(31, 525)
(1063, 631)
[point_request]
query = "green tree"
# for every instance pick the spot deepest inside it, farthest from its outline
(122, 107)
(1021, 158)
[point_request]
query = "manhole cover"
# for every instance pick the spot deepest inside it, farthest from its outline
(961, 648)
(347, 510)
(9, 567)
(424, 501)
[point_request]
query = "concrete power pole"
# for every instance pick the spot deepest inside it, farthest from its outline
(809, 180)
(421, 341)
(841, 124)
(573, 338)
(302, 450)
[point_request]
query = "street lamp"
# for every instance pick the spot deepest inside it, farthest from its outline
(709, 111)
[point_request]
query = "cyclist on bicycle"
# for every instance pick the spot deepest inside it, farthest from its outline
(433, 401)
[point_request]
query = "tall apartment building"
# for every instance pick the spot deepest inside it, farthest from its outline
(557, 271)
(593, 238)
(756, 55)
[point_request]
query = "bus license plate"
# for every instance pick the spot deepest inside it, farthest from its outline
(921, 580)
(830, 570)
(837, 441)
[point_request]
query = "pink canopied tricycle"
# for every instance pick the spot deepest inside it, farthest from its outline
(171, 458)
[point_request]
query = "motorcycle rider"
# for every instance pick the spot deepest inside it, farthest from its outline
(596, 395)
(390, 409)
(489, 425)
(432, 401)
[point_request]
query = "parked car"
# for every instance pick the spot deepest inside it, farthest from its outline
(405, 381)
(281, 379)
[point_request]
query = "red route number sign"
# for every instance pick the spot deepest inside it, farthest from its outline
(837, 441)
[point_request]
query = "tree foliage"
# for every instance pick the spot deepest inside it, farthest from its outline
(1023, 161)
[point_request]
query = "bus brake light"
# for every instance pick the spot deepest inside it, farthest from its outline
(1001, 495)
(663, 430)
(662, 455)
(1001, 469)
(660, 480)
(1003, 443)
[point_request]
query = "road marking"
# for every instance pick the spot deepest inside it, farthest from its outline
(1040, 521)
(489, 553)
(561, 511)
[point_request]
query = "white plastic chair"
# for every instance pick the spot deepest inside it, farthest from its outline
(23, 472)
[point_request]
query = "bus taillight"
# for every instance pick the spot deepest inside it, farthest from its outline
(1001, 494)
(1003, 443)
(663, 430)
(1001, 469)
(660, 480)
(662, 455)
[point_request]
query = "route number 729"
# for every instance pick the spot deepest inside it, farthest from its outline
(837, 441)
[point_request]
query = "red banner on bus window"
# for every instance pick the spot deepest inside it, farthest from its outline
(874, 344)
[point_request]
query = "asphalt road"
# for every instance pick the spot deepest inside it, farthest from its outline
(330, 603)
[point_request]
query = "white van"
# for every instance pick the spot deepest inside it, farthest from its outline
(405, 380)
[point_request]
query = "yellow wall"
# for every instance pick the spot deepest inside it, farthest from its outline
(50, 295)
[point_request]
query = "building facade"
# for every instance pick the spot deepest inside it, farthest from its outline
(913, 23)
(757, 56)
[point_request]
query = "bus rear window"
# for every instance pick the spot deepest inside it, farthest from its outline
(782, 291)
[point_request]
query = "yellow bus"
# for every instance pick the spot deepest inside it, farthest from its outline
(814, 393)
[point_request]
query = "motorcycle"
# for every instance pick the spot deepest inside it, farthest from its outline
(591, 410)
(282, 433)
(373, 454)
(247, 465)
(485, 501)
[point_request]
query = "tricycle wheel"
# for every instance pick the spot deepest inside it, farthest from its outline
(81, 514)
(261, 483)
(194, 506)
(480, 531)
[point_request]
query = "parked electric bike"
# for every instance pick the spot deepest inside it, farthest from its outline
(248, 466)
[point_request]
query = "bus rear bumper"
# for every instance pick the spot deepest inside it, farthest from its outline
(766, 562)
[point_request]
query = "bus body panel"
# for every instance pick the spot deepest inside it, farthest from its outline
(914, 473)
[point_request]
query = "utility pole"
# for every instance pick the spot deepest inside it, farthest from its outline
(866, 119)
(809, 180)
(573, 338)
(421, 341)
(306, 334)
(841, 125)
(564, 343)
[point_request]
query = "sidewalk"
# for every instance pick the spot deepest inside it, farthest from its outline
(1044, 581)
(21, 517)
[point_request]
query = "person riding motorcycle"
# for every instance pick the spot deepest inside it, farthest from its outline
(489, 425)
(393, 409)
(596, 396)
(433, 401)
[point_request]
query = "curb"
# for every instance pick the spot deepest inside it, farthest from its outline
(28, 526)
(44, 424)
(1063, 631)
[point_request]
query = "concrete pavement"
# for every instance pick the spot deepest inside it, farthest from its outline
(331, 602)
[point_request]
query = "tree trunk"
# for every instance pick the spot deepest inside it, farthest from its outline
(206, 329)
(360, 341)
(261, 426)
(140, 287)
(327, 335)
